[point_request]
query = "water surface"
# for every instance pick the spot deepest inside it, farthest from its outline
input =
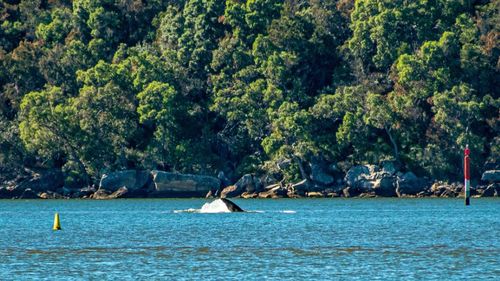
(291, 239)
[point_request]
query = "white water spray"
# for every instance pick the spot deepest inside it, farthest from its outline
(216, 206)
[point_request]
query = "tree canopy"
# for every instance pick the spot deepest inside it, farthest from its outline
(202, 86)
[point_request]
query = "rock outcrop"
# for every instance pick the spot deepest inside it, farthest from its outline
(320, 175)
(371, 179)
(166, 184)
(491, 176)
(409, 184)
(10, 192)
(248, 183)
(28, 193)
(385, 186)
(274, 191)
(383, 180)
(40, 182)
(131, 179)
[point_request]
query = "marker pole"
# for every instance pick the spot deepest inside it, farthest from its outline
(467, 175)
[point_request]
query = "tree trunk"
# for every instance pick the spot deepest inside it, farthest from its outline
(393, 142)
(301, 168)
(82, 168)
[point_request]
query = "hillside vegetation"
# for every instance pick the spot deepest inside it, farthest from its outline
(262, 86)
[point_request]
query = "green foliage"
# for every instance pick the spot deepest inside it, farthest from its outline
(57, 29)
(196, 86)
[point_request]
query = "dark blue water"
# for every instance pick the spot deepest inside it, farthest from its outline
(346, 239)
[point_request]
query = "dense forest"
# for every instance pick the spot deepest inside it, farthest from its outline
(261, 86)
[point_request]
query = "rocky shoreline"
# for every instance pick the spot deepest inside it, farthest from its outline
(363, 181)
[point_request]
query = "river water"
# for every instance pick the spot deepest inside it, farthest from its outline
(285, 239)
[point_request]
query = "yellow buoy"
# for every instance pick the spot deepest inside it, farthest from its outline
(57, 224)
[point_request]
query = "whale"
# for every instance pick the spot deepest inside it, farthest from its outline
(221, 205)
(231, 206)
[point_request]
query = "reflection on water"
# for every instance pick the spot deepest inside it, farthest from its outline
(376, 239)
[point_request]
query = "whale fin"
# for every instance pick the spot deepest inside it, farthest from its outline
(231, 206)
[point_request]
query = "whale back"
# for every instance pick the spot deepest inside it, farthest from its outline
(231, 206)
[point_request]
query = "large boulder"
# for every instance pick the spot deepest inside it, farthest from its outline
(223, 179)
(100, 194)
(389, 167)
(491, 190)
(444, 189)
(121, 192)
(492, 164)
(268, 179)
(300, 188)
(319, 175)
(491, 176)
(10, 192)
(28, 194)
(351, 191)
(410, 184)
(369, 179)
(131, 179)
(231, 191)
(50, 180)
(167, 184)
(86, 191)
(385, 186)
(358, 175)
(248, 183)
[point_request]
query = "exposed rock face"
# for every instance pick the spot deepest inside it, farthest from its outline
(122, 192)
(369, 179)
(100, 194)
(50, 180)
(300, 188)
(491, 176)
(492, 190)
(351, 191)
(28, 194)
(267, 180)
(87, 191)
(409, 184)
(223, 179)
(356, 174)
(315, 194)
(247, 195)
(274, 191)
(209, 195)
(231, 191)
(319, 175)
(440, 189)
(103, 194)
(131, 179)
(10, 192)
(182, 185)
(390, 167)
(248, 183)
(50, 195)
(385, 186)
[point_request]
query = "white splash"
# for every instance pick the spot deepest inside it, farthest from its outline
(216, 206)
(289, 212)
(190, 210)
